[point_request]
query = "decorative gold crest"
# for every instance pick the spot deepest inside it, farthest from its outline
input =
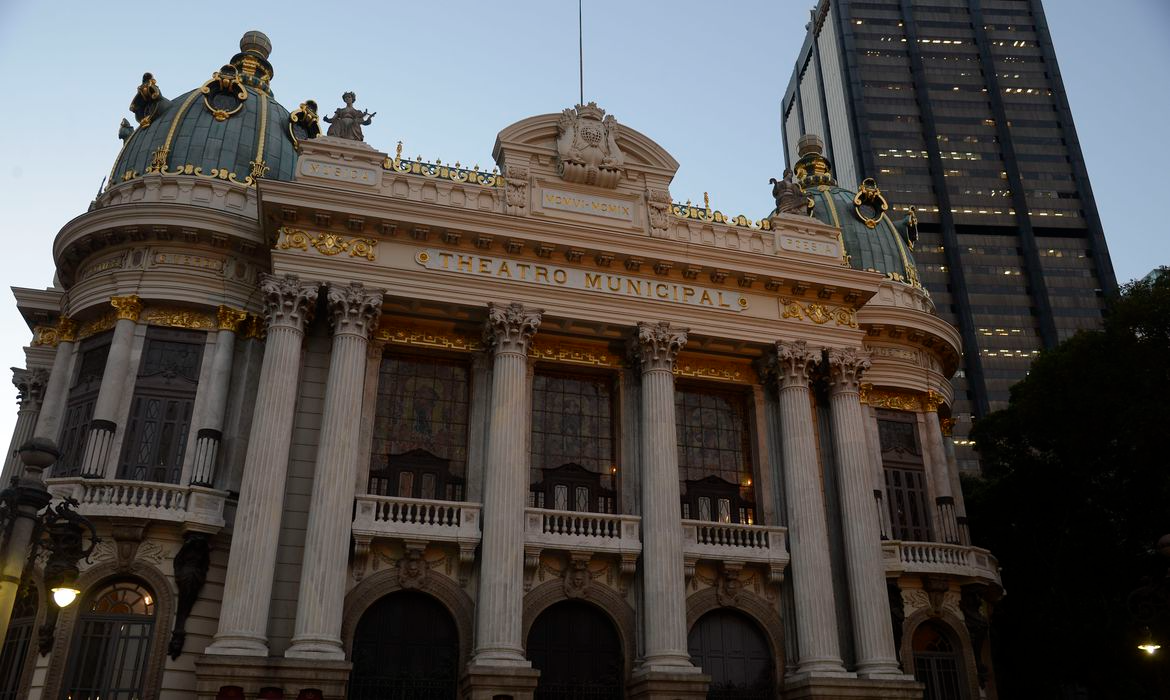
(869, 204)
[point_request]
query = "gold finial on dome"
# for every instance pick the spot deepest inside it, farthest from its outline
(257, 43)
(813, 169)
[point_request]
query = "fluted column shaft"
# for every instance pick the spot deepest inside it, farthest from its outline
(57, 390)
(808, 535)
(872, 627)
(354, 312)
(30, 386)
(96, 461)
(663, 579)
(210, 433)
(243, 617)
(498, 634)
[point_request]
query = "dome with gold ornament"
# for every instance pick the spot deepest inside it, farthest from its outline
(230, 128)
(873, 241)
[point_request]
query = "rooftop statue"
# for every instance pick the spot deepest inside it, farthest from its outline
(347, 121)
(148, 101)
(790, 198)
(125, 130)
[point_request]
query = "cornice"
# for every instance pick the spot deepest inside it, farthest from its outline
(564, 236)
(99, 229)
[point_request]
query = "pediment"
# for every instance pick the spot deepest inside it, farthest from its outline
(538, 136)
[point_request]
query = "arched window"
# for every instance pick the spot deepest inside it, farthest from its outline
(111, 644)
(16, 645)
(578, 653)
(937, 664)
(406, 646)
(730, 648)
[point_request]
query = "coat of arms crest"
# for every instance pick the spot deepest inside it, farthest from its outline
(587, 145)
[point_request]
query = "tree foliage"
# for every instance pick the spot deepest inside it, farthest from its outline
(1075, 492)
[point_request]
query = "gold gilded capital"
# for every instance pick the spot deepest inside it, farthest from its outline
(229, 319)
(45, 336)
(948, 426)
(66, 330)
(128, 307)
(932, 401)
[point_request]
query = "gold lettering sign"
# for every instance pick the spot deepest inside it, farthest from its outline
(498, 268)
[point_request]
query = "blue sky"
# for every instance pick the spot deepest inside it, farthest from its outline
(704, 80)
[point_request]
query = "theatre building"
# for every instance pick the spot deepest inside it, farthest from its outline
(350, 424)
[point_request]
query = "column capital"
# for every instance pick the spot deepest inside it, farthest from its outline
(288, 301)
(510, 327)
(353, 309)
(932, 401)
(795, 362)
(229, 319)
(30, 385)
(657, 345)
(846, 365)
(66, 330)
(127, 308)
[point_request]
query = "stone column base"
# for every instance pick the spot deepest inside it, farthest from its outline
(251, 673)
(668, 685)
(481, 682)
(804, 686)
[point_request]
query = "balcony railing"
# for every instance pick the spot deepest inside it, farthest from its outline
(724, 542)
(939, 558)
(416, 519)
(194, 505)
(587, 532)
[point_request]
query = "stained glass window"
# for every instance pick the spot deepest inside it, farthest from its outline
(161, 408)
(714, 455)
(905, 473)
(112, 643)
(420, 428)
(79, 409)
(572, 422)
(572, 442)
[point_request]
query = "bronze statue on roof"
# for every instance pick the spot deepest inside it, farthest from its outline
(347, 121)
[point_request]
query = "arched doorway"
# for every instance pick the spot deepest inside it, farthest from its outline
(936, 663)
(730, 647)
(577, 651)
(405, 647)
(111, 643)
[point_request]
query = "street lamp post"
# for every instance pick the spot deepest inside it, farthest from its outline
(30, 525)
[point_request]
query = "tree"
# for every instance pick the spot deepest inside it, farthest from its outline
(1075, 491)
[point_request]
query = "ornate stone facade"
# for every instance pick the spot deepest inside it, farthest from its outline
(540, 403)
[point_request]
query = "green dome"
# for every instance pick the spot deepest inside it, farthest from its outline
(230, 128)
(872, 240)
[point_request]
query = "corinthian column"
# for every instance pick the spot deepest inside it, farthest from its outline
(57, 390)
(663, 580)
(211, 432)
(243, 616)
(808, 535)
(30, 388)
(95, 462)
(498, 636)
(353, 311)
(872, 631)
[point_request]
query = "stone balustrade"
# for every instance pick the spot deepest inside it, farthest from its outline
(735, 542)
(586, 532)
(198, 507)
(416, 519)
(939, 558)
